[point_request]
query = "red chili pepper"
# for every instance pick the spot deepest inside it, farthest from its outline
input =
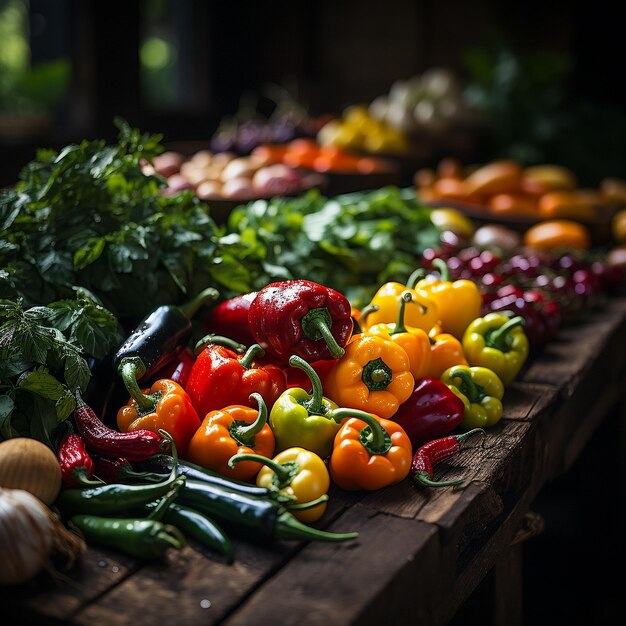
(303, 318)
(135, 446)
(431, 453)
(432, 410)
(75, 462)
(220, 377)
(230, 318)
(119, 470)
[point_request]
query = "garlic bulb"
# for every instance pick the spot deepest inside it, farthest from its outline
(29, 533)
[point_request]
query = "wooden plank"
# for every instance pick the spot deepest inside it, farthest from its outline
(395, 559)
(59, 598)
(528, 401)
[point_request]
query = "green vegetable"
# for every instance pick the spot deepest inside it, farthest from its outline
(43, 353)
(89, 216)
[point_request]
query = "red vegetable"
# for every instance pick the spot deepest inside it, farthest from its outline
(135, 446)
(229, 318)
(303, 318)
(75, 462)
(220, 377)
(433, 452)
(432, 410)
(119, 470)
(179, 369)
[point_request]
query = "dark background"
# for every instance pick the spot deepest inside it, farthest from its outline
(330, 54)
(333, 54)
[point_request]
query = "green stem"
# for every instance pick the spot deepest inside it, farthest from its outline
(189, 309)
(424, 479)
(415, 277)
(253, 351)
(288, 527)
(131, 368)
(463, 436)
(314, 405)
(164, 504)
(219, 340)
(498, 338)
(376, 375)
(400, 327)
(442, 266)
(374, 438)
(245, 433)
(370, 308)
(301, 506)
(475, 393)
(316, 324)
(285, 472)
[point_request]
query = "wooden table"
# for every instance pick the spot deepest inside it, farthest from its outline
(421, 552)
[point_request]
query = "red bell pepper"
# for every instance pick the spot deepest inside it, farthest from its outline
(179, 369)
(220, 377)
(303, 318)
(432, 410)
(229, 318)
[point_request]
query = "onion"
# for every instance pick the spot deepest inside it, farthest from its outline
(29, 533)
(30, 465)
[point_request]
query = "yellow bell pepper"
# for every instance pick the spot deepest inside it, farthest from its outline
(458, 302)
(415, 341)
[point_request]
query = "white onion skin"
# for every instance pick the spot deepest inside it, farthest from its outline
(26, 536)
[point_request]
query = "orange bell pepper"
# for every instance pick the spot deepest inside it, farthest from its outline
(165, 406)
(445, 351)
(458, 302)
(415, 341)
(373, 375)
(383, 308)
(369, 452)
(235, 429)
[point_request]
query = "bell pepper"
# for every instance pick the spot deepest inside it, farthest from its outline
(235, 429)
(299, 474)
(383, 308)
(415, 341)
(297, 377)
(179, 369)
(220, 377)
(303, 420)
(498, 342)
(445, 351)
(229, 318)
(374, 375)
(458, 303)
(300, 317)
(369, 452)
(481, 391)
(165, 406)
(431, 411)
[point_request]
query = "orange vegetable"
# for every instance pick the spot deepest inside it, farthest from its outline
(568, 204)
(557, 234)
(495, 177)
(512, 204)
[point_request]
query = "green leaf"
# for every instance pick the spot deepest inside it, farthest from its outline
(42, 420)
(65, 406)
(6, 408)
(42, 383)
(89, 253)
(76, 372)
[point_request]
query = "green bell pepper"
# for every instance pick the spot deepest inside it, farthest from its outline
(300, 419)
(481, 391)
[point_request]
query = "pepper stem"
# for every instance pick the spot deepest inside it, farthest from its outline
(423, 479)
(81, 476)
(189, 309)
(475, 393)
(165, 502)
(442, 266)
(374, 438)
(316, 325)
(131, 368)
(314, 405)
(405, 297)
(301, 506)
(370, 308)
(245, 433)
(498, 338)
(376, 375)
(463, 436)
(253, 351)
(284, 472)
(288, 527)
(415, 277)
(220, 340)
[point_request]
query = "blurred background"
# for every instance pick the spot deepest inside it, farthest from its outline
(541, 82)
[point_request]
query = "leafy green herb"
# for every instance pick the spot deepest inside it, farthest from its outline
(43, 352)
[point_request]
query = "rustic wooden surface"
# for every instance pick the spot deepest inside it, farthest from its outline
(420, 553)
